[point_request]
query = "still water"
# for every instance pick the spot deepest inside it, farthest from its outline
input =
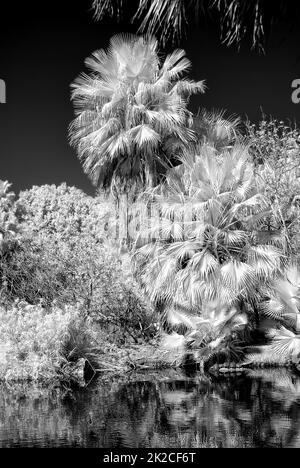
(167, 409)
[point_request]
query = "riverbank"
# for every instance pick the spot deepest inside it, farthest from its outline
(112, 360)
(120, 363)
(63, 348)
(60, 345)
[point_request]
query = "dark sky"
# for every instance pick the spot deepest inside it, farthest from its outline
(42, 50)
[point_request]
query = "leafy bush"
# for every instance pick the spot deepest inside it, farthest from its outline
(43, 345)
(84, 274)
(275, 148)
(32, 339)
(62, 211)
(8, 229)
(6, 204)
(61, 258)
(275, 142)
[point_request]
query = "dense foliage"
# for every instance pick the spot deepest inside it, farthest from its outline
(8, 221)
(60, 257)
(214, 259)
(212, 243)
(275, 148)
(62, 211)
(44, 345)
(32, 337)
(213, 263)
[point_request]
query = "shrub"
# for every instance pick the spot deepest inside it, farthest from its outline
(8, 229)
(45, 345)
(7, 218)
(81, 273)
(62, 211)
(65, 293)
(32, 340)
(61, 259)
(42, 345)
(275, 148)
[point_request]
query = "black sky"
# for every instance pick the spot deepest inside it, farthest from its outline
(42, 50)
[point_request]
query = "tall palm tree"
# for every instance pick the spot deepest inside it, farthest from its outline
(208, 248)
(237, 18)
(132, 117)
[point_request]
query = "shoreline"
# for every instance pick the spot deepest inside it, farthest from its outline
(144, 358)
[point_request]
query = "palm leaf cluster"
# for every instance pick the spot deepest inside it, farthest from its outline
(207, 259)
(207, 242)
(216, 129)
(132, 117)
(281, 319)
(222, 334)
(238, 19)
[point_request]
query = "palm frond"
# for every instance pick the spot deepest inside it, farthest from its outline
(238, 19)
(285, 343)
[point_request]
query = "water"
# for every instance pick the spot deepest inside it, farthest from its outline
(167, 409)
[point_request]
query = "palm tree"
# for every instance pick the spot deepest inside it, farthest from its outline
(237, 18)
(216, 129)
(208, 252)
(280, 320)
(132, 118)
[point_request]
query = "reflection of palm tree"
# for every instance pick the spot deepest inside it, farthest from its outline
(131, 416)
(239, 411)
(260, 409)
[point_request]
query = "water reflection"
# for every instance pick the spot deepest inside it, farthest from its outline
(260, 409)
